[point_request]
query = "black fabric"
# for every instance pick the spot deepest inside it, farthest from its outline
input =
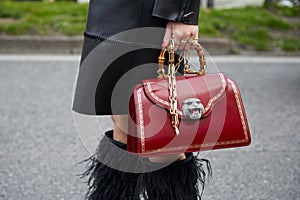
(106, 18)
(109, 136)
(118, 104)
(109, 17)
(184, 11)
(101, 25)
(115, 84)
(88, 45)
(179, 180)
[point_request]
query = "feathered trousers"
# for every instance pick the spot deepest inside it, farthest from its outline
(114, 174)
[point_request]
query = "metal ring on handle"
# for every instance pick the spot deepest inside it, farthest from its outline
(202, 60)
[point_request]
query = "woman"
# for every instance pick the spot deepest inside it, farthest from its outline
(122, 38)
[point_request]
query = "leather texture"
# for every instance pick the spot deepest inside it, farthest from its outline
(222, 125)
(184, 11)
(108, 17)
(113, 25)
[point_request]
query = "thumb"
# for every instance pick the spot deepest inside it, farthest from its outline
(167, 36)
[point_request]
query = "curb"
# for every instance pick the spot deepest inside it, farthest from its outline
(27, 44)
(40, 44)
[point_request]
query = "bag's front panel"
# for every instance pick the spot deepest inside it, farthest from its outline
(228, 126)
(225, 126)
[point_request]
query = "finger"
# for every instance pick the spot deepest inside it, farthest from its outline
(167, 36)
(183, 43)
(194, 38)
(188, 45)
(177, 39)
(194, 43)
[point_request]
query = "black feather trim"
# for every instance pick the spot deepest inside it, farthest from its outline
(107, 183)
(178, 181)
(181, 180)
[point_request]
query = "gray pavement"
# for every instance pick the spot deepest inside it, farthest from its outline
(40, 148)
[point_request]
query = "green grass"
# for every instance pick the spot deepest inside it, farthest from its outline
(289, 12)
(290, 44)
(59, 18)
(250, 26)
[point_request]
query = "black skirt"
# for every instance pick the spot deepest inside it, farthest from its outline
(113, 64)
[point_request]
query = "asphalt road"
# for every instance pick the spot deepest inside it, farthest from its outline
(40, 148)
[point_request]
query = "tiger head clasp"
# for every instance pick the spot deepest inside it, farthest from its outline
(192, 108)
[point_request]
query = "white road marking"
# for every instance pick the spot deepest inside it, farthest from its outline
(39, 58)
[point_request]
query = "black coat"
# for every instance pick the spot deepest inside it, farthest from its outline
(108, 17)
(112, 22)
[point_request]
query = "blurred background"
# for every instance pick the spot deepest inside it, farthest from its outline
(255, 42)
(258, 25)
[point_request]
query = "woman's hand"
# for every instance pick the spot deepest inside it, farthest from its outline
(184, 35)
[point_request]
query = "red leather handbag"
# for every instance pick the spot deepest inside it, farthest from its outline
(176, 114)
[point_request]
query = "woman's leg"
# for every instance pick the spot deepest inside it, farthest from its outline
(120, 128)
